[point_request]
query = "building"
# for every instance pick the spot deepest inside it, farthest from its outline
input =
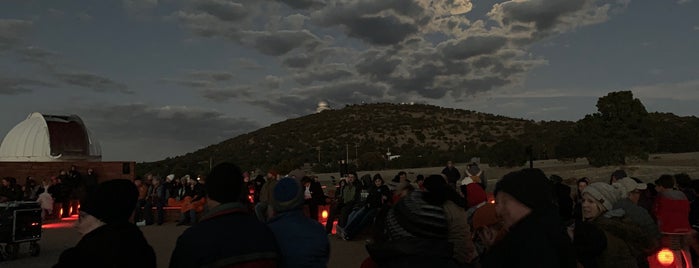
(42, 145)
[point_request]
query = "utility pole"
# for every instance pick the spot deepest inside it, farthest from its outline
(347, 152)
(356, 152)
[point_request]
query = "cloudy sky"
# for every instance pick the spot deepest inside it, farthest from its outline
(158, 78)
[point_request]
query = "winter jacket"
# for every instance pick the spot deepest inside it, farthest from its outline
(227, 236)
(672, 211)
(640, 217)
(459, 233)
(534, 241)
(609, 242)
(452, 174)
(112, 245)
(302, 241)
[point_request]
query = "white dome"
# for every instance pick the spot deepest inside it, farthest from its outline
(50, 138)
(322, 106)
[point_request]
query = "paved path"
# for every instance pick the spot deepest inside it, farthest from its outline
(59, 236)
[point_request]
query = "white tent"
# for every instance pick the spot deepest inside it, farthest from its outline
(50, 138)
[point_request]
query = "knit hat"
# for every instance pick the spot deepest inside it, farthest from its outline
(603, 192)
(485, 216)
(112, 201)
(529, 186)
(627, 185)
(170, 177)
(224, 184)
(412, 217)
(288, 194)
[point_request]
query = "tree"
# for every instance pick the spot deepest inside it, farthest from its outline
(371, 161)
(618, 130)
(507, 153)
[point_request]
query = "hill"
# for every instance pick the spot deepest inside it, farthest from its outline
(422, 135)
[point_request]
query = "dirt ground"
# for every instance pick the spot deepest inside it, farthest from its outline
(58, 236)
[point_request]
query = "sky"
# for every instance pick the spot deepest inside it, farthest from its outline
(160, 78)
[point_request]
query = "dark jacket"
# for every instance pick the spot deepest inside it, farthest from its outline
(111, 245)
(534, 241)
(303, 242)
(452, 174)
(317, 193)
(609, 242)
(378, 196)
(412, 252)
(227, 236)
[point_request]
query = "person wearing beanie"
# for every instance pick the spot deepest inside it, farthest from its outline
(302, 241)
(605, 238)
(524, 200)
(109, 239)
(227, 235)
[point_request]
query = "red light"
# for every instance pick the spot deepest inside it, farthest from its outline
(665, 257)
(324, 214)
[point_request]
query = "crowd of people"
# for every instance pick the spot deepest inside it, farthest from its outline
(57, 195)
(433, 221)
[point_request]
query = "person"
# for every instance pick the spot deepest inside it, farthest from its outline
(577, 208)
(524, 201)
(313, 196)
(108, 238)
(350, 195)
(398, 180)
(155, 197)
(262, 210)
(487, 228)
(378, 198)
(416, 232)
(562, 195)
(452, 173)
(617, 175)
(671, 207)
(45, 199)
(91, 178)
(77, 188)
(419, 180)
(193, 203)
(10, 191)
(227, 235)
(477, 175)
(605, 238)
(473, 193)
(141, 201)
(630, 194)
(302, 241)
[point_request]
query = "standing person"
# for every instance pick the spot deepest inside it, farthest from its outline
(45, 199)
(452, 173)
(155, 197)
(91, 178)
(77, 188)
(290, 227)
(227, 235)
(477, 175)
(262, 210)
(109, 239)
(524, 201)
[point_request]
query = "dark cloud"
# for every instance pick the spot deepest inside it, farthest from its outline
(545, 13)
(12, 32)
(303, 4)
(159, 131)
(471, 46)
(225, 94)
(248, 64)
(38, 56)
(281, 42)
(377, 65)
(15, 86)
(227, 11)
(216, 76)
(93, 82)
(327, 73)
(298, 61)
(272, 82)
(377, 30)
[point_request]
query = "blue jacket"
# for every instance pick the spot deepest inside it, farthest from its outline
(227, 236)
(303, 242)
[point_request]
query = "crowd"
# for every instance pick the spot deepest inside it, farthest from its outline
(58, 195)
(439, 220)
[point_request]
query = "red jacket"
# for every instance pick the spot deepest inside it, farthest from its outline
(672, 212)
